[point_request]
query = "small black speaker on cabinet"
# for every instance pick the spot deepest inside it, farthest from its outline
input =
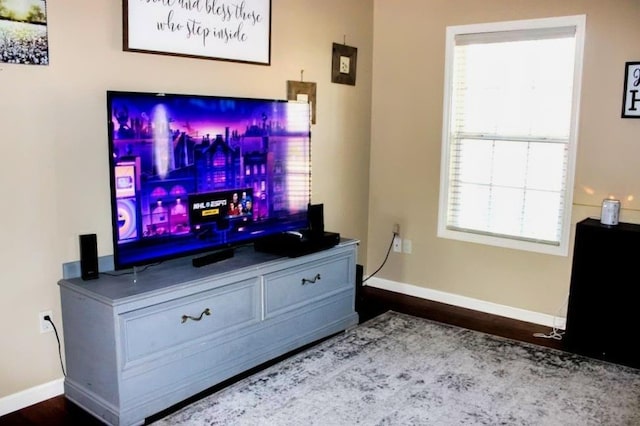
(89, 256)
(315, 215)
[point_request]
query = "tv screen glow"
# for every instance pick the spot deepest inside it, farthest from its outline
(192, 173)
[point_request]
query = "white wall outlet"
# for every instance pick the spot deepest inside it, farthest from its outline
(407, 246)
(397, 244)
(45, 326)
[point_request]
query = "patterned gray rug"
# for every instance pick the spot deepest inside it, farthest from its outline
(401, 370)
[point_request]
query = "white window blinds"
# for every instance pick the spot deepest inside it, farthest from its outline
(508, 133)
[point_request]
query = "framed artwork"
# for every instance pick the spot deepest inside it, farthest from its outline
(238, 32)
(343, 64)
(631, 95)
(23, 32)
(303, 91)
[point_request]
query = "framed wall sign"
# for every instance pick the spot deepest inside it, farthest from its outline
(343, 64)
(230, 31)
(631, 96)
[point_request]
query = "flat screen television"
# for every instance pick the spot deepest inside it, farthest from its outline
(193, 173)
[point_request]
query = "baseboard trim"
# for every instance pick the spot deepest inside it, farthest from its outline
(34, 395)
(468, 303)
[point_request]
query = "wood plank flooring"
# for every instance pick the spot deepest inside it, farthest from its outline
(58, 411)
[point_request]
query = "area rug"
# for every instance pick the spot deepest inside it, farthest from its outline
(397, 369)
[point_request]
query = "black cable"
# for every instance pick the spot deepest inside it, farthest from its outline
(48, 318)
(144, 268)
(131, 271)
(385, 258)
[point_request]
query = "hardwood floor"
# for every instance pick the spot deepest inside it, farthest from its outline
(369, 303)
(372, 301)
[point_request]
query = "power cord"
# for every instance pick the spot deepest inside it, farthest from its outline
(132, 271)
(554, 334)
(48, 318)
(385, 258)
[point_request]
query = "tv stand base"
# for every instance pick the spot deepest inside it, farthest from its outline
(208, 259)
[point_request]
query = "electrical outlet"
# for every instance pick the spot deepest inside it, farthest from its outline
(397, 244)
(396, 228)
(45, 326)
(407, 247)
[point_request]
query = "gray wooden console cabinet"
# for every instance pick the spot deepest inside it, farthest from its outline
(137, 345)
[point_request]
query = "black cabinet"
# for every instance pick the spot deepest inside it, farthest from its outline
(603, 315)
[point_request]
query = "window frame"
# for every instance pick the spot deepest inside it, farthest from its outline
(561, 249)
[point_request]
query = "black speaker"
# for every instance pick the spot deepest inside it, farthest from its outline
(88, 256)
(315, 216)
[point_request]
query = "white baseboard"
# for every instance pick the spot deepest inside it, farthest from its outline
(27, 397)
(469, 303)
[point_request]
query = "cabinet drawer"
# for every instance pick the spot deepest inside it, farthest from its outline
(295, 287)
(168, 325)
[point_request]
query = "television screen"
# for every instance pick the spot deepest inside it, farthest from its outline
(196, 173)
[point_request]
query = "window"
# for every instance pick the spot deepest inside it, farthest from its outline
(510, 131)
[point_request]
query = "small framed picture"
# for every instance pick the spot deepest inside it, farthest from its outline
(343, 64)
(23, 32)
(631, 96)
(305, 92)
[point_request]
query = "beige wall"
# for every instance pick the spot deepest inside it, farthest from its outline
(408, 69)
(54, 145)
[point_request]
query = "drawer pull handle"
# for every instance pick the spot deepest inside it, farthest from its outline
(187, 317)
(312, 280)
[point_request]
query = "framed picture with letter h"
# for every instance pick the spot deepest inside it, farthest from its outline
(631, 96)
